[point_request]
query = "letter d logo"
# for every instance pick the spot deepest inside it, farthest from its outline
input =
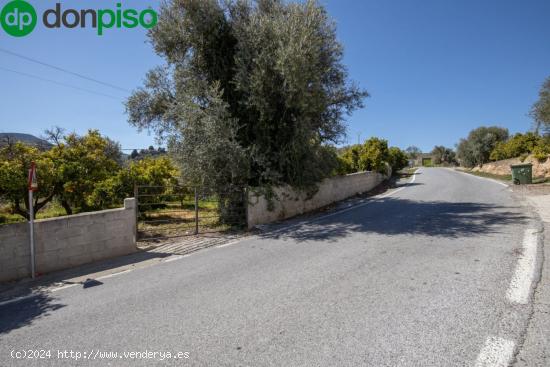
(18, 18)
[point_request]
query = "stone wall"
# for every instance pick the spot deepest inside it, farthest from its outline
(288, 202)
(65, 242)
(540, 169)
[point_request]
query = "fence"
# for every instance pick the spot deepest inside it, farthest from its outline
(173, 211)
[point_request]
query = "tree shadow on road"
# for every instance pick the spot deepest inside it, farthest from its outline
(393, 216)
(23, 313)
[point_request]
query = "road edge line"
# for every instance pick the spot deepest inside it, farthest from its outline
(521, 284)
(497, 352)
(479, 177)
(347, 209)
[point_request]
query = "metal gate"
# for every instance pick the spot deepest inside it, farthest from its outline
(174, 211)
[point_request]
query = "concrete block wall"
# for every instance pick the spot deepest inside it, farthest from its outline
(69, 241)
(288, 202)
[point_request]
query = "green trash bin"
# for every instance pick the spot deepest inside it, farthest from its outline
(522, 173)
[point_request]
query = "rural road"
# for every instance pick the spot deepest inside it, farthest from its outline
(436, 274)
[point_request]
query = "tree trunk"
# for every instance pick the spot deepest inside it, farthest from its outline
(16, 209)
(67, 207)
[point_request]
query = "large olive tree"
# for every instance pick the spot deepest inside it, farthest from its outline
(540, 112)
(251, 93)
(477, 147)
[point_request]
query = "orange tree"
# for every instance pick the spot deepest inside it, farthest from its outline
(157, 172)
(15, 160)
(81, 162)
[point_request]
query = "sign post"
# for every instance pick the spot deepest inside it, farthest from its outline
(33, 186)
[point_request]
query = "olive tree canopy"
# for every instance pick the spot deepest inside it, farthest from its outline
(540, 112)
(251, 93)
(477, 147)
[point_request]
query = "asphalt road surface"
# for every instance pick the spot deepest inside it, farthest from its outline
(419, 277)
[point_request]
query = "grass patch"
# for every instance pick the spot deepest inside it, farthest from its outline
(406, 172)
(51, 210)
(177, 218)
(506, 178)
(541, 180)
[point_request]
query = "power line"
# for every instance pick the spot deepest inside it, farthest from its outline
(60, 83)
(63, 70)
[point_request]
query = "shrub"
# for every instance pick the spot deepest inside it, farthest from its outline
(540, 152)
(397, 159)
(443, 155)
(349, 159)
(373, 155)
(516, 146)
(477, 147)
(147, 171)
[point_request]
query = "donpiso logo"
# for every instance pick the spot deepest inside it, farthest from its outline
(18, 18)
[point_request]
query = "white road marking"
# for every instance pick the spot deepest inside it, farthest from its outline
(114, 274)
(497, 352)
(17, 299)
(492, 180)
(390, 193)
(230, 243)
(173, 258)
(179, 257)
(522, 280)
(481, 178)
(99, 278)
(64, 287)
(347, 209)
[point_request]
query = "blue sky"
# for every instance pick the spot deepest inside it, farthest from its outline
(435, 69)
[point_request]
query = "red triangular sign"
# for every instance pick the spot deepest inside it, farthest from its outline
(33, 182)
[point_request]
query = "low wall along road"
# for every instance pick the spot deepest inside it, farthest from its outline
(288, 202)
(69, 241)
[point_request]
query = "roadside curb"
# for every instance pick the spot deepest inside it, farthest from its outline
(479, 177)
(505, 346)
(533, 347)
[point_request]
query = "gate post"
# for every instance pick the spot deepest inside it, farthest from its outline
(245, 203)
(136, 210)
(196, 211)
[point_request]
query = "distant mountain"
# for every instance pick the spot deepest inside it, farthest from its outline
(24, 138)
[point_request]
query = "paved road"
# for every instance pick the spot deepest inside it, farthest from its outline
(417, 278)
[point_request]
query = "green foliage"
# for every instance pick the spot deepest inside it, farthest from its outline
(518, 145)
(81, 162)
(540, 112)
(413, 152)
(252, 92)
(398, 159)
(349, 159)
(443, 155)
(15, 161)
(206, 147)
(374, 155)
(149, 152)
(477, 147)
(541, 152)
(80, 172)
(147, 171)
